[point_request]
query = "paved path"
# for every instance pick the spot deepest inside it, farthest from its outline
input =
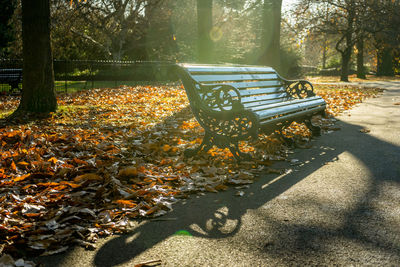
(341, 206)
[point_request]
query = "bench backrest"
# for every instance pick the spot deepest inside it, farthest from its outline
(256, 84)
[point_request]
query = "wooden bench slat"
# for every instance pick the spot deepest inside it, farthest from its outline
(286, 102)
(262, 98)
(239, 77)
(260, 91)
(259, 84)
(269, 120)
(228, 69)
(289, 108)
(263, 103)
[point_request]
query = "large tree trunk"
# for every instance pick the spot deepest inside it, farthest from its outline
(346, 56)
(38, 95)
(360, 59)
(271, 34)
(385, 62)
(204, 26)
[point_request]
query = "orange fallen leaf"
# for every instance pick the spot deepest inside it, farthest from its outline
(21, 178)
(166, 148)
(152, 210)
(126, 203)
(79, 161)
(73, 185)
(53, 160)
(13, 166)
(49, 184)
(32, 214)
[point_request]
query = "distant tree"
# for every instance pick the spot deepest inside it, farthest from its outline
(204, 27)
(336, 17)
(270, 35)
(387, 41)
(354, 22)
(113, 26)
(66, 44)
(38, 95)
(161, 43)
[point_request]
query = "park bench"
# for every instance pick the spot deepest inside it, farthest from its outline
(237, 102)
(11, 77)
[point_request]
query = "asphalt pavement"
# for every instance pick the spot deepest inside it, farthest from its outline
(338, 205)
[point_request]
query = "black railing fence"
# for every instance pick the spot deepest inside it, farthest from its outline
(73, 75)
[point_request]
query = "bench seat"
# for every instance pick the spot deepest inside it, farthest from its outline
(235, 102)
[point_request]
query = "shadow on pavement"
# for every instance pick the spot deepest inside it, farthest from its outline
(218, 216)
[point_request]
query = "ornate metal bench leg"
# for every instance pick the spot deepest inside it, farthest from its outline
(288, 141)
(239, 155)
(205, 146)
(315, 130)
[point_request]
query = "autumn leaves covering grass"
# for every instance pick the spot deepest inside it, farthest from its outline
(110, 155)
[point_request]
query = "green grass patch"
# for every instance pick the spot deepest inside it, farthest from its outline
(4, 114)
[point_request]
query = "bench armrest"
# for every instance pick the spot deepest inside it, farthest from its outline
(299, 88)
(235, 125)
(221, 97)
(221, 113)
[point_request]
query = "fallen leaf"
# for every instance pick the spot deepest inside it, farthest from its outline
(87, 177)
(365, 130)
(149, 263)
(130, 171)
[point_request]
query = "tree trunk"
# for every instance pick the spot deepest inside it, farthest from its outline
(38, 95)
(271, 34)
(385, 62)
(324, 52)
(346, 53)
(360, 59)
(204, 26)
(346, 56)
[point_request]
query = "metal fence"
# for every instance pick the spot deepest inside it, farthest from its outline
(75, 75)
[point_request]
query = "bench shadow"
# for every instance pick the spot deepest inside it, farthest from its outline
(217, 216)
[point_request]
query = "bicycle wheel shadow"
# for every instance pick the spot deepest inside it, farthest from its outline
(219, 216)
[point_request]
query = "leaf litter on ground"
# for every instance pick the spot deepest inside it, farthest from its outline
(108, 156)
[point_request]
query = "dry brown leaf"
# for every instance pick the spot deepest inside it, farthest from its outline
(87, 177)
(130, 171)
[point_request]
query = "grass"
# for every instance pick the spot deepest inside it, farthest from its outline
(75, 86)
(352, 78)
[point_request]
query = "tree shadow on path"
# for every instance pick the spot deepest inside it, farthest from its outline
(218, 216)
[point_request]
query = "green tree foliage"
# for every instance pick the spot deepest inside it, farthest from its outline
(7, 8)
(234, 31)
(118, 28)
(66, 28)
(332, 17)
